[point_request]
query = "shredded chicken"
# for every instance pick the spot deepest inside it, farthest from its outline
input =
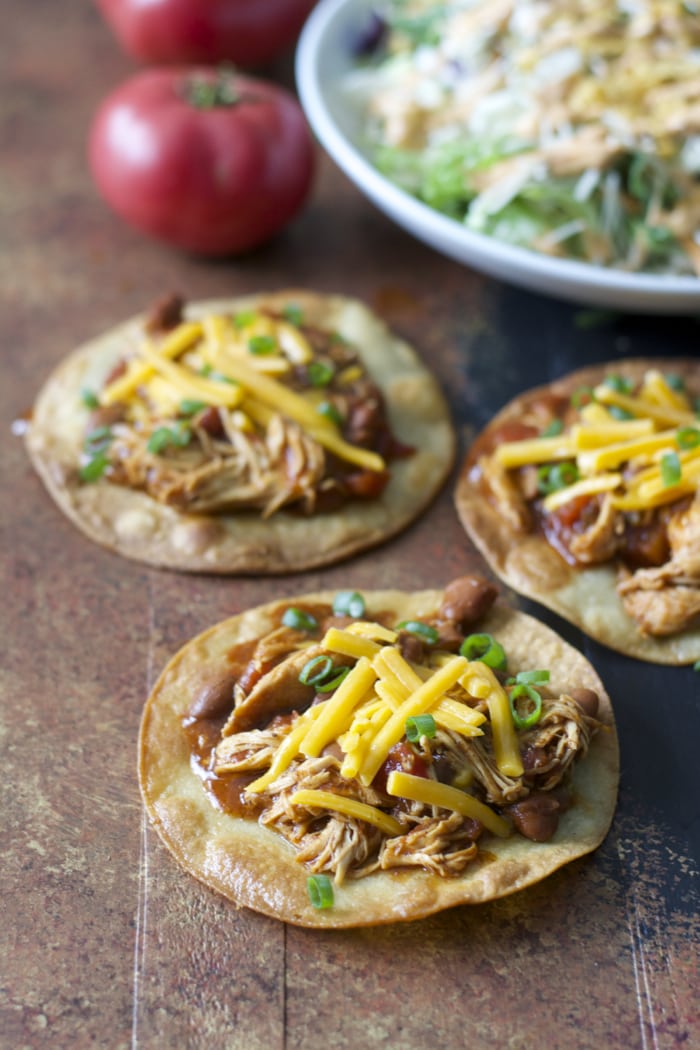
(210, 475)
(666, 600)
(511, 505)
(440, 844)
(599, 542)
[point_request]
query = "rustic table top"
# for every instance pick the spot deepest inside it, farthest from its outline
(105, 941)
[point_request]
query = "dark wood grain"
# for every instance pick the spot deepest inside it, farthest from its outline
(104, 941)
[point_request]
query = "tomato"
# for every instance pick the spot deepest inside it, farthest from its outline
(247, 32)
(214, 163)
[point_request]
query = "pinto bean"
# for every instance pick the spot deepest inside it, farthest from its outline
(467, 599)
(536, 817)
(587, 700)
(165, 314)
(210, 420)
(412, 647)
(215, 698)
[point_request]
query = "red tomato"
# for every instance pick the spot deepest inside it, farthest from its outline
(248, 32)
(211, 162)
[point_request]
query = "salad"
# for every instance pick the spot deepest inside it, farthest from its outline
(571, 127)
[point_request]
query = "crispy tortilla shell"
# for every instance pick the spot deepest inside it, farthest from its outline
(256, 868)
(136, 526)
(586, 597)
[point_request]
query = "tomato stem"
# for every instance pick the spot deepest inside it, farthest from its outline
(203, 91)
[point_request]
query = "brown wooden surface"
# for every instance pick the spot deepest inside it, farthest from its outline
(103, 940)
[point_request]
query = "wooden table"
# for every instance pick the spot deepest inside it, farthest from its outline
(105, 941)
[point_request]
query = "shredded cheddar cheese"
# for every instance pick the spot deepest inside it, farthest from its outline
(350, 806)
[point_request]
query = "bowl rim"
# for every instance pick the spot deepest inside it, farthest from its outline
(321, 32)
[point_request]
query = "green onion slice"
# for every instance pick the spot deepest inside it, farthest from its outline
(316, 670)
(551, 478)
(320, 373)
(94, 468)
(300, 620)
(688, 437)
(670, 469)
(423, 630)
(190, 407)
(244, 318)
(262, 344)
(329, 411)
(89, 398)
(675, 381)
(484, 647)
(621, 414)
(332, 683)
(320, 890)
(293, 314)
(527, 714)
(696, 665)
(583, 395)
(418, 726)
(619, 383)
(349, 603)
(532, 677)
(178, 436)
(98, 440)
(552, 429)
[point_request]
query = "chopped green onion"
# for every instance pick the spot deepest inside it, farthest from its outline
(484, 647)
(618, 413)
(320, 890)
(349, 603)
(532, 677)
(244, 318)
(620, 384)
(178, 436)
(552, 477)
(583, 395)
(299, 620)
(670, 469)
(552, 429)
(696, 665)
(262, 344)
(675, 381)
(293, 314)
(190, 407)
(688, 437)
(316, 670)
(94, 468)
(332, 683)
(418, 726)
(532, 706)
(423, 630)
(98, 440)
(319, 373)
(89, 398)
(327, 409)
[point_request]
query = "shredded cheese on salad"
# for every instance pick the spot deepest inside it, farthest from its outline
(570, 127)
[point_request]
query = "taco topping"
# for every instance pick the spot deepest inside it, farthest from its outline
(255, 410)
(373, 745)
(611, 475)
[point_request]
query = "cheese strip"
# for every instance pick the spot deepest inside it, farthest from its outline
(663, 414)
(425, 697)
(453, 714)
(337, 641)
(191, 385)
(350, 807)
(584, 487)
(396, 688)
(534, 450)
(179, 340)
(505, 742)
(288, 749)
(356, 742)
(392, 667)
(433, 793)
(336, 715)
(614, 455)
(599, 435)
(369, 629)
(655, 388)
(294, 344)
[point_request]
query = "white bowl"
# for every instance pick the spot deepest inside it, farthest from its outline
(324, 57)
